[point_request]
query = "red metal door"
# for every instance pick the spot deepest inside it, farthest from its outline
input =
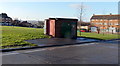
(52, 28)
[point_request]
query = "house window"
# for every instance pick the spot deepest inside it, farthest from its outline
(105, 23)
(92, 20)
(117, 30)
(110, 20)
(92, 23)
(115, 20)
(110, 23)
(100, 19)
(116, 24)
(97, 23)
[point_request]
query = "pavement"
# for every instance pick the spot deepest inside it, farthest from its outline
(88, 53)
(60, 41)
(52, 42)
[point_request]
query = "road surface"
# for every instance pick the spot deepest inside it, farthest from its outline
(89, 53)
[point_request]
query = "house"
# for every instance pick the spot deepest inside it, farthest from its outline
(105, 23)
(83, 25)
(26, 24)
(5, 20)
(16, 22)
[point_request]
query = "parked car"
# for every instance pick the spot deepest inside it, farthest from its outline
(83, 30)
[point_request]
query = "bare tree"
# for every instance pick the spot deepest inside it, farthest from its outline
(81, 11)
(81, 14)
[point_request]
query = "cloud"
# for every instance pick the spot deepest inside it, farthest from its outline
(78, 6)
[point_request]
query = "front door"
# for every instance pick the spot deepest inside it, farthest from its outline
(66, 29)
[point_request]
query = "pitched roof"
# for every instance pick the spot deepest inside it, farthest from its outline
(113, 17)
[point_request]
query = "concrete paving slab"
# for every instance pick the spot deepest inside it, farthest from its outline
(60, 41)
(52, 42)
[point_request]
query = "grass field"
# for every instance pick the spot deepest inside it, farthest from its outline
(15, 36)
(99, 36)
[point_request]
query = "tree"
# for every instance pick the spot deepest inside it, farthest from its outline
(41, 24)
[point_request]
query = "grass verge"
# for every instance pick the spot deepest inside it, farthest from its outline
(98, 36)
(15, 36)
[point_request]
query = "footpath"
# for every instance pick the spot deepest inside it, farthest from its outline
(53, 42)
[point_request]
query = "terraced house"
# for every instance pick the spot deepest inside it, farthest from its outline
(105, 23)
(5, 20)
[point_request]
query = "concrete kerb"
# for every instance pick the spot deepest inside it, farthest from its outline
(100, 39)
(25, 48)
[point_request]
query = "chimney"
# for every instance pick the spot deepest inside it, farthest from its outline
(110, 13)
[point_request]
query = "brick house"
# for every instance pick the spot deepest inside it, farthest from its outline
(5, 20)
(105, 23)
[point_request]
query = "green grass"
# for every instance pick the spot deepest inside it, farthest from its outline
(15, 36)
(99, 36)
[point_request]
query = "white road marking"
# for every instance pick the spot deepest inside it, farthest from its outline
(34, 50)
(15, 53)
(86, 44)
(9, 54)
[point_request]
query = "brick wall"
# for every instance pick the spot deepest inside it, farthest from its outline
(106, 25)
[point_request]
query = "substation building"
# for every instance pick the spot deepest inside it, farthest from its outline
(61, 27)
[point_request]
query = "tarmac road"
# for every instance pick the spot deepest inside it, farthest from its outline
(89, 53)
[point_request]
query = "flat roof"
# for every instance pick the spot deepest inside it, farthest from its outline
(60, 17)
(64, 18)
